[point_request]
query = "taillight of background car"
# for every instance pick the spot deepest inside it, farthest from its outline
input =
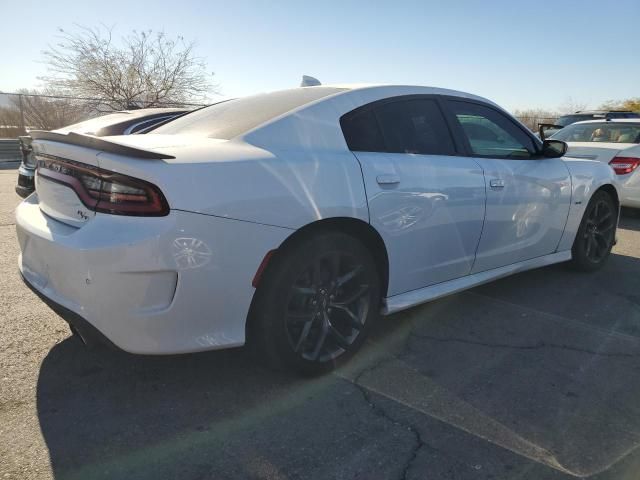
(624, 165)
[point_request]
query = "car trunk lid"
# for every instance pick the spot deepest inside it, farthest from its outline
(68, 184)
(602, 152)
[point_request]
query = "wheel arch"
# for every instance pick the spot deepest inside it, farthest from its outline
(357, 228)
(612, 191)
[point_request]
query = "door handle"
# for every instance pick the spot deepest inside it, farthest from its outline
(387, 179)
(496, 183)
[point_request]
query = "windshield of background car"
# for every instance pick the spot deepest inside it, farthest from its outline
(229, 119)
(610, 132)
(569, 119)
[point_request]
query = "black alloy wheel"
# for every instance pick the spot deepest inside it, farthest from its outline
(597, 233)
(328, 307)
(316, 303)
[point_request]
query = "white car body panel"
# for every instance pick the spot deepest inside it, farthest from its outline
(526, 213)
(587, 176)
(409, 299)
(298, 188)
(435, 212)
(183, 282)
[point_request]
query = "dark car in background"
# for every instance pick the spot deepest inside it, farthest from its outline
(126, 122)
(582, 115)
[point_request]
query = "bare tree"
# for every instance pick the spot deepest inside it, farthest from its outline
(44, 111)
(9, 122)
(144, 69)
(571, 105)
(533, 116)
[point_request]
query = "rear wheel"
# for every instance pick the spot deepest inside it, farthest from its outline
(596, 234)
(316, 306)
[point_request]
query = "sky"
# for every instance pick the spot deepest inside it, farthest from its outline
(520, 54)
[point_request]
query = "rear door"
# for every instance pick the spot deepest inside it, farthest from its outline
(425, 197)
(528, 196)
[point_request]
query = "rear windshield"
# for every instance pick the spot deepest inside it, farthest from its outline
(609, 132)
(234, 117)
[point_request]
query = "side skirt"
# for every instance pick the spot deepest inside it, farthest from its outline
(416, 297)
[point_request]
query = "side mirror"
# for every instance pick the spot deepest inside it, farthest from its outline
(554, 148)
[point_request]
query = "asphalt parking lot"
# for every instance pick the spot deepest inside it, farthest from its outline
(532, 377)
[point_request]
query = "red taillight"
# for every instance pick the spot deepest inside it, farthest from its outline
(624, 165)
(105, 191)
(261, 268)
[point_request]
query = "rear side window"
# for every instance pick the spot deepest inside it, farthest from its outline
(415, 126)
(362, 132)
(491, 133)
(403, 126)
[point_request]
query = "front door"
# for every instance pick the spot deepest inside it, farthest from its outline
(528, 196)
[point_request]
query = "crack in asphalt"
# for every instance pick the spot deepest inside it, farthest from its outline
(420, 442)
(378, 410)
(538, 346)
(7, 224)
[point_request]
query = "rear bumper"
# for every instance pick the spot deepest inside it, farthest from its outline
(163, 285)
(89, 335)
(630, 199)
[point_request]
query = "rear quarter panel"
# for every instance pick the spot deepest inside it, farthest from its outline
(285, 187)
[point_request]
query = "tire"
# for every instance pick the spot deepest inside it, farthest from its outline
(596, 234)
(316, 304)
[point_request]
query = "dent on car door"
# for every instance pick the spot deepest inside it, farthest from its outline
(426, 200)
(528, 196)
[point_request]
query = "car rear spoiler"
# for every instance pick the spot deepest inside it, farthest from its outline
(96, 143)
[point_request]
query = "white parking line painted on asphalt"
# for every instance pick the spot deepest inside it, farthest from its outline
(398, 381)
(587, 327)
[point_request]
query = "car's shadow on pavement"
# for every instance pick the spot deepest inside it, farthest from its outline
(507, 377)
(104, 412)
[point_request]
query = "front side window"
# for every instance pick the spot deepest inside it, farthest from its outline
(491, 133)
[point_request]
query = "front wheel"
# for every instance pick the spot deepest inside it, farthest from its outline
(317, 304)
(596, 234)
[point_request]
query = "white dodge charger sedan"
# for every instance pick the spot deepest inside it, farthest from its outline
(292, 219)
(616, 142)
